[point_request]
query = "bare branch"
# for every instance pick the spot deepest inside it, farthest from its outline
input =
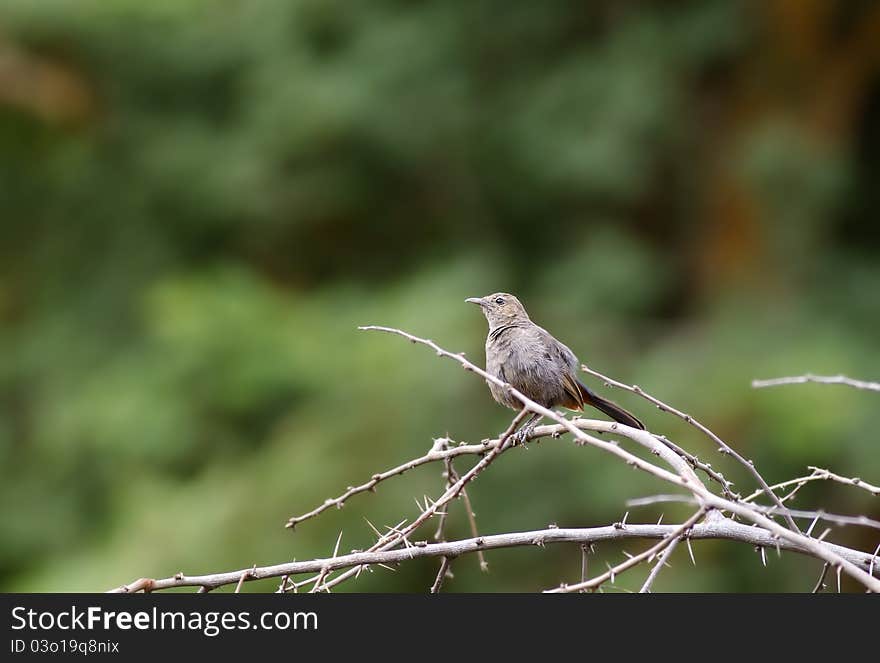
(722, 445)
(396, 545)
(243, 578)
(697, 464)
(719, 528)
(441, 575)
(817, 515)
(451, 493)
(435, 454)
(644, 438)
(818, 474)
(826, 379)
(661, 562)
(854, 481)
(820, 583)
(451, 476)
(686, 476)
(631, 561)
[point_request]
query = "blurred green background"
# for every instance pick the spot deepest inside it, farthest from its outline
(201, 200)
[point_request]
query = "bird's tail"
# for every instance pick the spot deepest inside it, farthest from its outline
(611, 409)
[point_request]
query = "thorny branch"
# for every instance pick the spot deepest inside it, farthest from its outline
(723, 447)
(649, 554)
(830, 379)
(719, 528)
(400, 536)
(815, 516)
(451, 477)
(661, 562)
(396, 545)
(441, 575)
(818, 474)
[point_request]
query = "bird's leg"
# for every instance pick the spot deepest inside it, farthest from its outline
(523, 433)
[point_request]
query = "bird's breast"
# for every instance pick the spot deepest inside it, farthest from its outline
(525, 363)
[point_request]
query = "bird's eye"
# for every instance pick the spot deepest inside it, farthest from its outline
(499, 301)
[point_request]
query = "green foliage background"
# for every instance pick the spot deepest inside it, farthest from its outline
(201, 200)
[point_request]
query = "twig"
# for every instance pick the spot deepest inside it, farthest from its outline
(432, 456)
(817, 515)
(631, 561)
(244, 577)
(697, 464)
(448, 473)
(723, 447)
(820, 583)
(320, 579)
(854, 481)
(585, 550)
(450, 494)
(326, 570)
(451, 477)
(661, 562)
(819, 474)
(822, 379)
(441, 574)
(472, 520)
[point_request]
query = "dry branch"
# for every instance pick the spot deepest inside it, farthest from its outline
(397, 545)
(630, 562)
(721, 528)
(723, 447)
(821, 379)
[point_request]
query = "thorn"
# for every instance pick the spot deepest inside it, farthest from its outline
(812, 525)
(691, 551)
(336, 548)
(373, 527)
(873, 558)
(611, 570)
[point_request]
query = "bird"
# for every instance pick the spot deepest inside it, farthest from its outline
(532, 361)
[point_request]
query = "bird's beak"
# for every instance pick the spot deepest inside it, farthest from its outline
(474, 300)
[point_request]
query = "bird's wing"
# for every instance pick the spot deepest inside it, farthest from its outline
(569, 377)
(570, 385)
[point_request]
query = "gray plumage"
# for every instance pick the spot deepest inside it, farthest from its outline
(535, 363)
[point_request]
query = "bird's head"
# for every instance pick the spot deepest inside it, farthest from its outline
(500, 308)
